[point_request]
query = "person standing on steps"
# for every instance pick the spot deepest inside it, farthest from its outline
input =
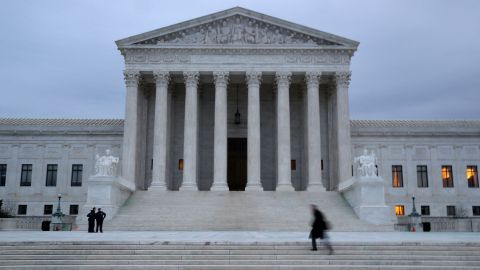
(91, 221)
(319, 226)
(100, 216)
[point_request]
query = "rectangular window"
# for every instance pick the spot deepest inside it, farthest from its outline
(51, 175)
(22, 209)
(77, 171)
(451, 210)
(425, 210)
(476, 210)
(3, 174)
(47, 209)
(293, 164)
(26, 176)
(472, 176)
(180, 164)
(74, 209)
(447, 176)
(397, 176)
(399, 210)
(422, 176)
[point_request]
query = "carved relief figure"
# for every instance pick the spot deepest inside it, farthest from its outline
(106, 165)
(224, 35)
(250, 33)
(211, 35)
(366, 166)
(237, 36)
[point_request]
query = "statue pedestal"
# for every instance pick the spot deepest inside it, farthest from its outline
(366, 195)
(106, 192)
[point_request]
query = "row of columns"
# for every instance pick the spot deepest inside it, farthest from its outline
(253, 79)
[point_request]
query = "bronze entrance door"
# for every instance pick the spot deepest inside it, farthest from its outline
(237, 164)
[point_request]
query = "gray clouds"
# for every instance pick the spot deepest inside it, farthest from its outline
(416, 59)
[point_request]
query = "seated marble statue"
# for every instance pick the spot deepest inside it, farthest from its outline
(106, 165)
(366, 166)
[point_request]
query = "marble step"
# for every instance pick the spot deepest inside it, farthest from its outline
(195, 210)
(236, 267)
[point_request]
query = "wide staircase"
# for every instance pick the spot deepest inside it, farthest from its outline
(155, 210)
(211, 256)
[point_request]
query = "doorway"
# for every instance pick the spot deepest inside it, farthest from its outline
(237, 164)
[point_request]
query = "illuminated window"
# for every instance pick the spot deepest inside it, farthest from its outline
(397, 176)
(476, 210)
(399, 210)
(451, 210)
(180, 164)
(293, 164)
(447, 176)
(422, 176)
(472, 176)
(425, 210)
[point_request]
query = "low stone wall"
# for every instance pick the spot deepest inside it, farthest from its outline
(443, 224)
(30, 223)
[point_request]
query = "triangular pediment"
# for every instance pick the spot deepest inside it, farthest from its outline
(236, 27)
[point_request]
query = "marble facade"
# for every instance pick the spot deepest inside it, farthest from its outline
(184, 85)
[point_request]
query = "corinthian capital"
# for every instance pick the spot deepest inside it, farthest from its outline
(343, 78)
(283, 78)
(161, 78)
(191, 78)
(312, 78)
(220, 78)
(253, 77)
(131, 77)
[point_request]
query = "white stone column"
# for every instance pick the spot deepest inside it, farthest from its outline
(314, 152)
(220, 132)
(283, 132)
(190, 132)
(130, 126)
(160, 130)
(253, 139)
(344, 160)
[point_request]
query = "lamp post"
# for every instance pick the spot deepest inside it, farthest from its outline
(415, 218)
(57, 216)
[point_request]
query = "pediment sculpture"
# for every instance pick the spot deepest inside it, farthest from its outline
(236, 30)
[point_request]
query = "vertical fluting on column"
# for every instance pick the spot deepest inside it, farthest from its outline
(190, 132)
(284, 172)
(160, 130)
(130, 127)
(314, 148)
(344, 163)
(253, 140)
(220, 132)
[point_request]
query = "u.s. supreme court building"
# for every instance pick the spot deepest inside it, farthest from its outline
(239, 120)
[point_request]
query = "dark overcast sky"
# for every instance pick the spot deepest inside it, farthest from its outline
(416, 59)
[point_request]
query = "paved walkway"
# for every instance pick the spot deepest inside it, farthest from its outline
(145, 237)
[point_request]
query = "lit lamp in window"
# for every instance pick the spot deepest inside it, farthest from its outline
(180, 164)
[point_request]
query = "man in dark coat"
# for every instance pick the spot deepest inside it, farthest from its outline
(319, 226)
(91, 221)
(100, 216)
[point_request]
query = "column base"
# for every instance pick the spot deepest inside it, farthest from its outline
(157, 186)
(285, 188)
(253, 187)
(219, 187)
